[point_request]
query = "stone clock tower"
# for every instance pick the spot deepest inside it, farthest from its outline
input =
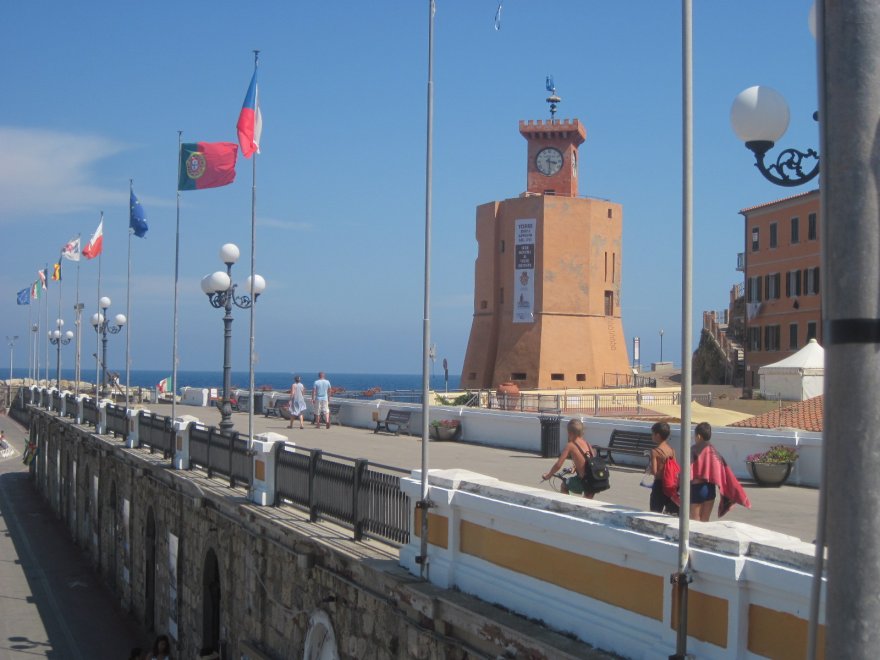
(547, 276)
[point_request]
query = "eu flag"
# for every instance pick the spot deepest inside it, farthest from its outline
(137, 217)
(23, 297)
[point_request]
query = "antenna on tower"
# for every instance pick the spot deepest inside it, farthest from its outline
(553, 99)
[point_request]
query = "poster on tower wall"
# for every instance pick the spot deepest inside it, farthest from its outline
(524, 272)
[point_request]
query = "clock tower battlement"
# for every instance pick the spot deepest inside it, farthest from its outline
(552, 155)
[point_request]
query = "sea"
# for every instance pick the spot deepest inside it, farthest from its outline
(276, 380)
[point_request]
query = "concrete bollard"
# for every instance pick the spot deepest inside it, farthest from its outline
(181, 441)
(263, 489)
(132, 440)
(101, 424)
(79, 408)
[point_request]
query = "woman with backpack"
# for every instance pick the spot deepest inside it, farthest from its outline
(665, 468)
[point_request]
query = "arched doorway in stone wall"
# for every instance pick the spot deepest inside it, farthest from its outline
(211, 598)
(114, 537)
(150, 572)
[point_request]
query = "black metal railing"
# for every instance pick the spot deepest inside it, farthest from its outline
(627, 380)
(71, 405)
(155, 431)
(220, 453)
(57, 401)
(366, 497)
(90, 411)
(117, 421)
(46, 400)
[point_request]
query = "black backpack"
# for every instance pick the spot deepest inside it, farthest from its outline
(595, 473)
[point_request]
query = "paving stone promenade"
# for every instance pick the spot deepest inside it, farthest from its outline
(788, 510)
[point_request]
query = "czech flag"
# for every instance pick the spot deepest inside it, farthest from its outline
(93, 249)
(250, 121)
(207, 165)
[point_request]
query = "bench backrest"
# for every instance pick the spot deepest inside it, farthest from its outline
(630, 440)
(398, 416)
(335, 408)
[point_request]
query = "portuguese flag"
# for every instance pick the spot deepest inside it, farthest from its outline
(206, 165)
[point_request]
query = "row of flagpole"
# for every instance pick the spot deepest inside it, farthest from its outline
(200, 165)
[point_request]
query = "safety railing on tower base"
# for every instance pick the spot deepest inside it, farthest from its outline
(117, 422)
(628, 404)
(155, 432)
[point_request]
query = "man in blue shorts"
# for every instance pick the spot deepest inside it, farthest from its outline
(321, 399)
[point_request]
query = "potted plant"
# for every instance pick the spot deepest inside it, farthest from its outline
(772, 467)
(446, 429)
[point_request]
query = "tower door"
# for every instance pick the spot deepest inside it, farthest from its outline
(609, 303)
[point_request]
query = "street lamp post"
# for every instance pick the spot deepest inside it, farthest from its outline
(10, 340)
(33, 367)
(102, 326)
(661, 345)
(220, 290)
(59, 339)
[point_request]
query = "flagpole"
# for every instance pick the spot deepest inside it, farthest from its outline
(78, 323)
(253, 257)
(58, 353)
(30, 336)
(176, 274)
(128, 304)
(98, 379)
(46, 289)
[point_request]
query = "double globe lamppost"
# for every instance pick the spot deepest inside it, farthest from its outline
(221, 294)
(58, 339)
(103, 327)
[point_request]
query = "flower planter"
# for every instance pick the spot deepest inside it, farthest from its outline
(769, 474)
(445, 432)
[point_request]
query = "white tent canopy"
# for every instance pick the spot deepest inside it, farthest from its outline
(796, 378)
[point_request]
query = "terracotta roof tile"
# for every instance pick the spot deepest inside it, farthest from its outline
(806, 415)
(778, 201)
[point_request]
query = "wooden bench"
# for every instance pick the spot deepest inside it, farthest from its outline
(634, 443)
(397, 418)
(279, 408)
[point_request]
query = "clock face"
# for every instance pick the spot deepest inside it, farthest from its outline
(549, 161)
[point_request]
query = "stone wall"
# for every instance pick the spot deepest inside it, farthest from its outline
(262, 582)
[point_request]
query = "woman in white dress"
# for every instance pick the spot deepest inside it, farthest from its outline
(297, 405)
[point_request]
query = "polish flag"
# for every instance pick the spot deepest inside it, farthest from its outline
(96, 244)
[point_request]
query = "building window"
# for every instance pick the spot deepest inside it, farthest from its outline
(774, 284)
(582, 378)
(472, 375)
(557, 376)
(812, 228)
(754, 339)
(609, 303)
(549, 192)
(811, 330)
(609, 214)
(606, 266)
(773, 235)
(795, 233)
(501, 296)
(755, 242)
(793, 336)
(811, 281)
(613, 265)
(518, 375)
(754, 292)
(771, 337)
(502, 245)
(793, 283)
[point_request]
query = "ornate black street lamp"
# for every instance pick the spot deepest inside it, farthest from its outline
(103, 326)
(221, 294)
(759, 117)
(59, 339)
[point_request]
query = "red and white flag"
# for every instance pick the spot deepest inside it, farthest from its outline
(96, 244)
(71, 250)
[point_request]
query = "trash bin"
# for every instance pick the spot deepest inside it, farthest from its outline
(258, 403)
(550, 436)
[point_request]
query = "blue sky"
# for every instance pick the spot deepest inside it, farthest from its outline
(95, 94)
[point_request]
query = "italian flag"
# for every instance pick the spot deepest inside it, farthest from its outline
(162, 387)
(206, 165)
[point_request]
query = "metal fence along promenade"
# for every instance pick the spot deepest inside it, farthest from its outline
(632, 404)
(355, 493)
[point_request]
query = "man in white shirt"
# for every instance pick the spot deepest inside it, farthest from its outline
(321, 399)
